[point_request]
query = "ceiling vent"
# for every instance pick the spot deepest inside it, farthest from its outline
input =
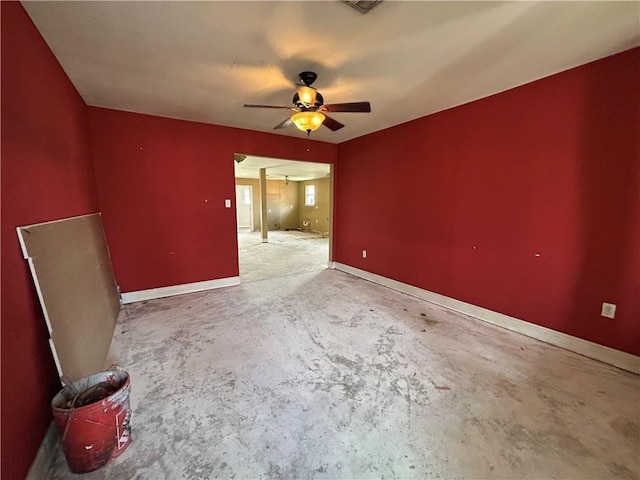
(363, 6)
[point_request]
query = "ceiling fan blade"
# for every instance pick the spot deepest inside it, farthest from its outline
(363, 107)
(284, 124)
(332, 124)
(248, 105)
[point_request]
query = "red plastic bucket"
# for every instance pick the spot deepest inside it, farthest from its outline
(98, 430)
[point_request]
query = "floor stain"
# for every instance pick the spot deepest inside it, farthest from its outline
(628, 429)
(621, 472)
(571, 445)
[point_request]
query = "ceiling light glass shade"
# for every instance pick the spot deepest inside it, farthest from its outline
(307, 95)
(308, 121)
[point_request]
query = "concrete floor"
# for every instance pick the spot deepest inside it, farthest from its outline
(324, 375)
(286, 253)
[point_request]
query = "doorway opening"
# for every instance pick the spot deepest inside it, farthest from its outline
(244, 207)
(284, 216)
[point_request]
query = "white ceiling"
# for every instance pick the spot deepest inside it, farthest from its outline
(203, 60)
(279, 169)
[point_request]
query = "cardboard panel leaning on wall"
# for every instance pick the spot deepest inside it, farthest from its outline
(71, 268)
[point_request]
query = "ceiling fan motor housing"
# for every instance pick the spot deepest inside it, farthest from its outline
(318, 102)
(307, 97)
(307, 78)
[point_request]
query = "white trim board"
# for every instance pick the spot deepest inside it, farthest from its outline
(617, 358)
(140, 295)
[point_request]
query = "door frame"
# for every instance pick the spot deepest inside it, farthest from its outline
(250, 205)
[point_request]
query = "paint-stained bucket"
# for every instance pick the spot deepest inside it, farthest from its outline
(94, 419)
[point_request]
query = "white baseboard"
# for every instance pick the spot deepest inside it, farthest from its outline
(617, 358)
(162, 292)
(46, 455)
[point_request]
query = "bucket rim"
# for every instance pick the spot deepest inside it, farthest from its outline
(64, 395)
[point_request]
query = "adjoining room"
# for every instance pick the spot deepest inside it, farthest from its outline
(298, 216)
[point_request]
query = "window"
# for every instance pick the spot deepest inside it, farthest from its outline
(309, 195)
(247, 195)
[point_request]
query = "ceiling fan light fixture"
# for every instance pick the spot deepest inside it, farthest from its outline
(309, 104)
(308, 121)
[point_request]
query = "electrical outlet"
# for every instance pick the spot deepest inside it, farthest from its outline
(364, 254)
(608, 310)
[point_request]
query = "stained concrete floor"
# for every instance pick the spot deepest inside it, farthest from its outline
(286, 253)
(324, 375)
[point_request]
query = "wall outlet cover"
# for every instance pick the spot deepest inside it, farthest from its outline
(608, 310)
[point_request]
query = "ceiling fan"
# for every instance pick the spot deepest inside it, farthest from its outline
(310, 110)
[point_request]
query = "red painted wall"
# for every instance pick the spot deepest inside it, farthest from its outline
(161, 187)
(525, 203)
(46, 175)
